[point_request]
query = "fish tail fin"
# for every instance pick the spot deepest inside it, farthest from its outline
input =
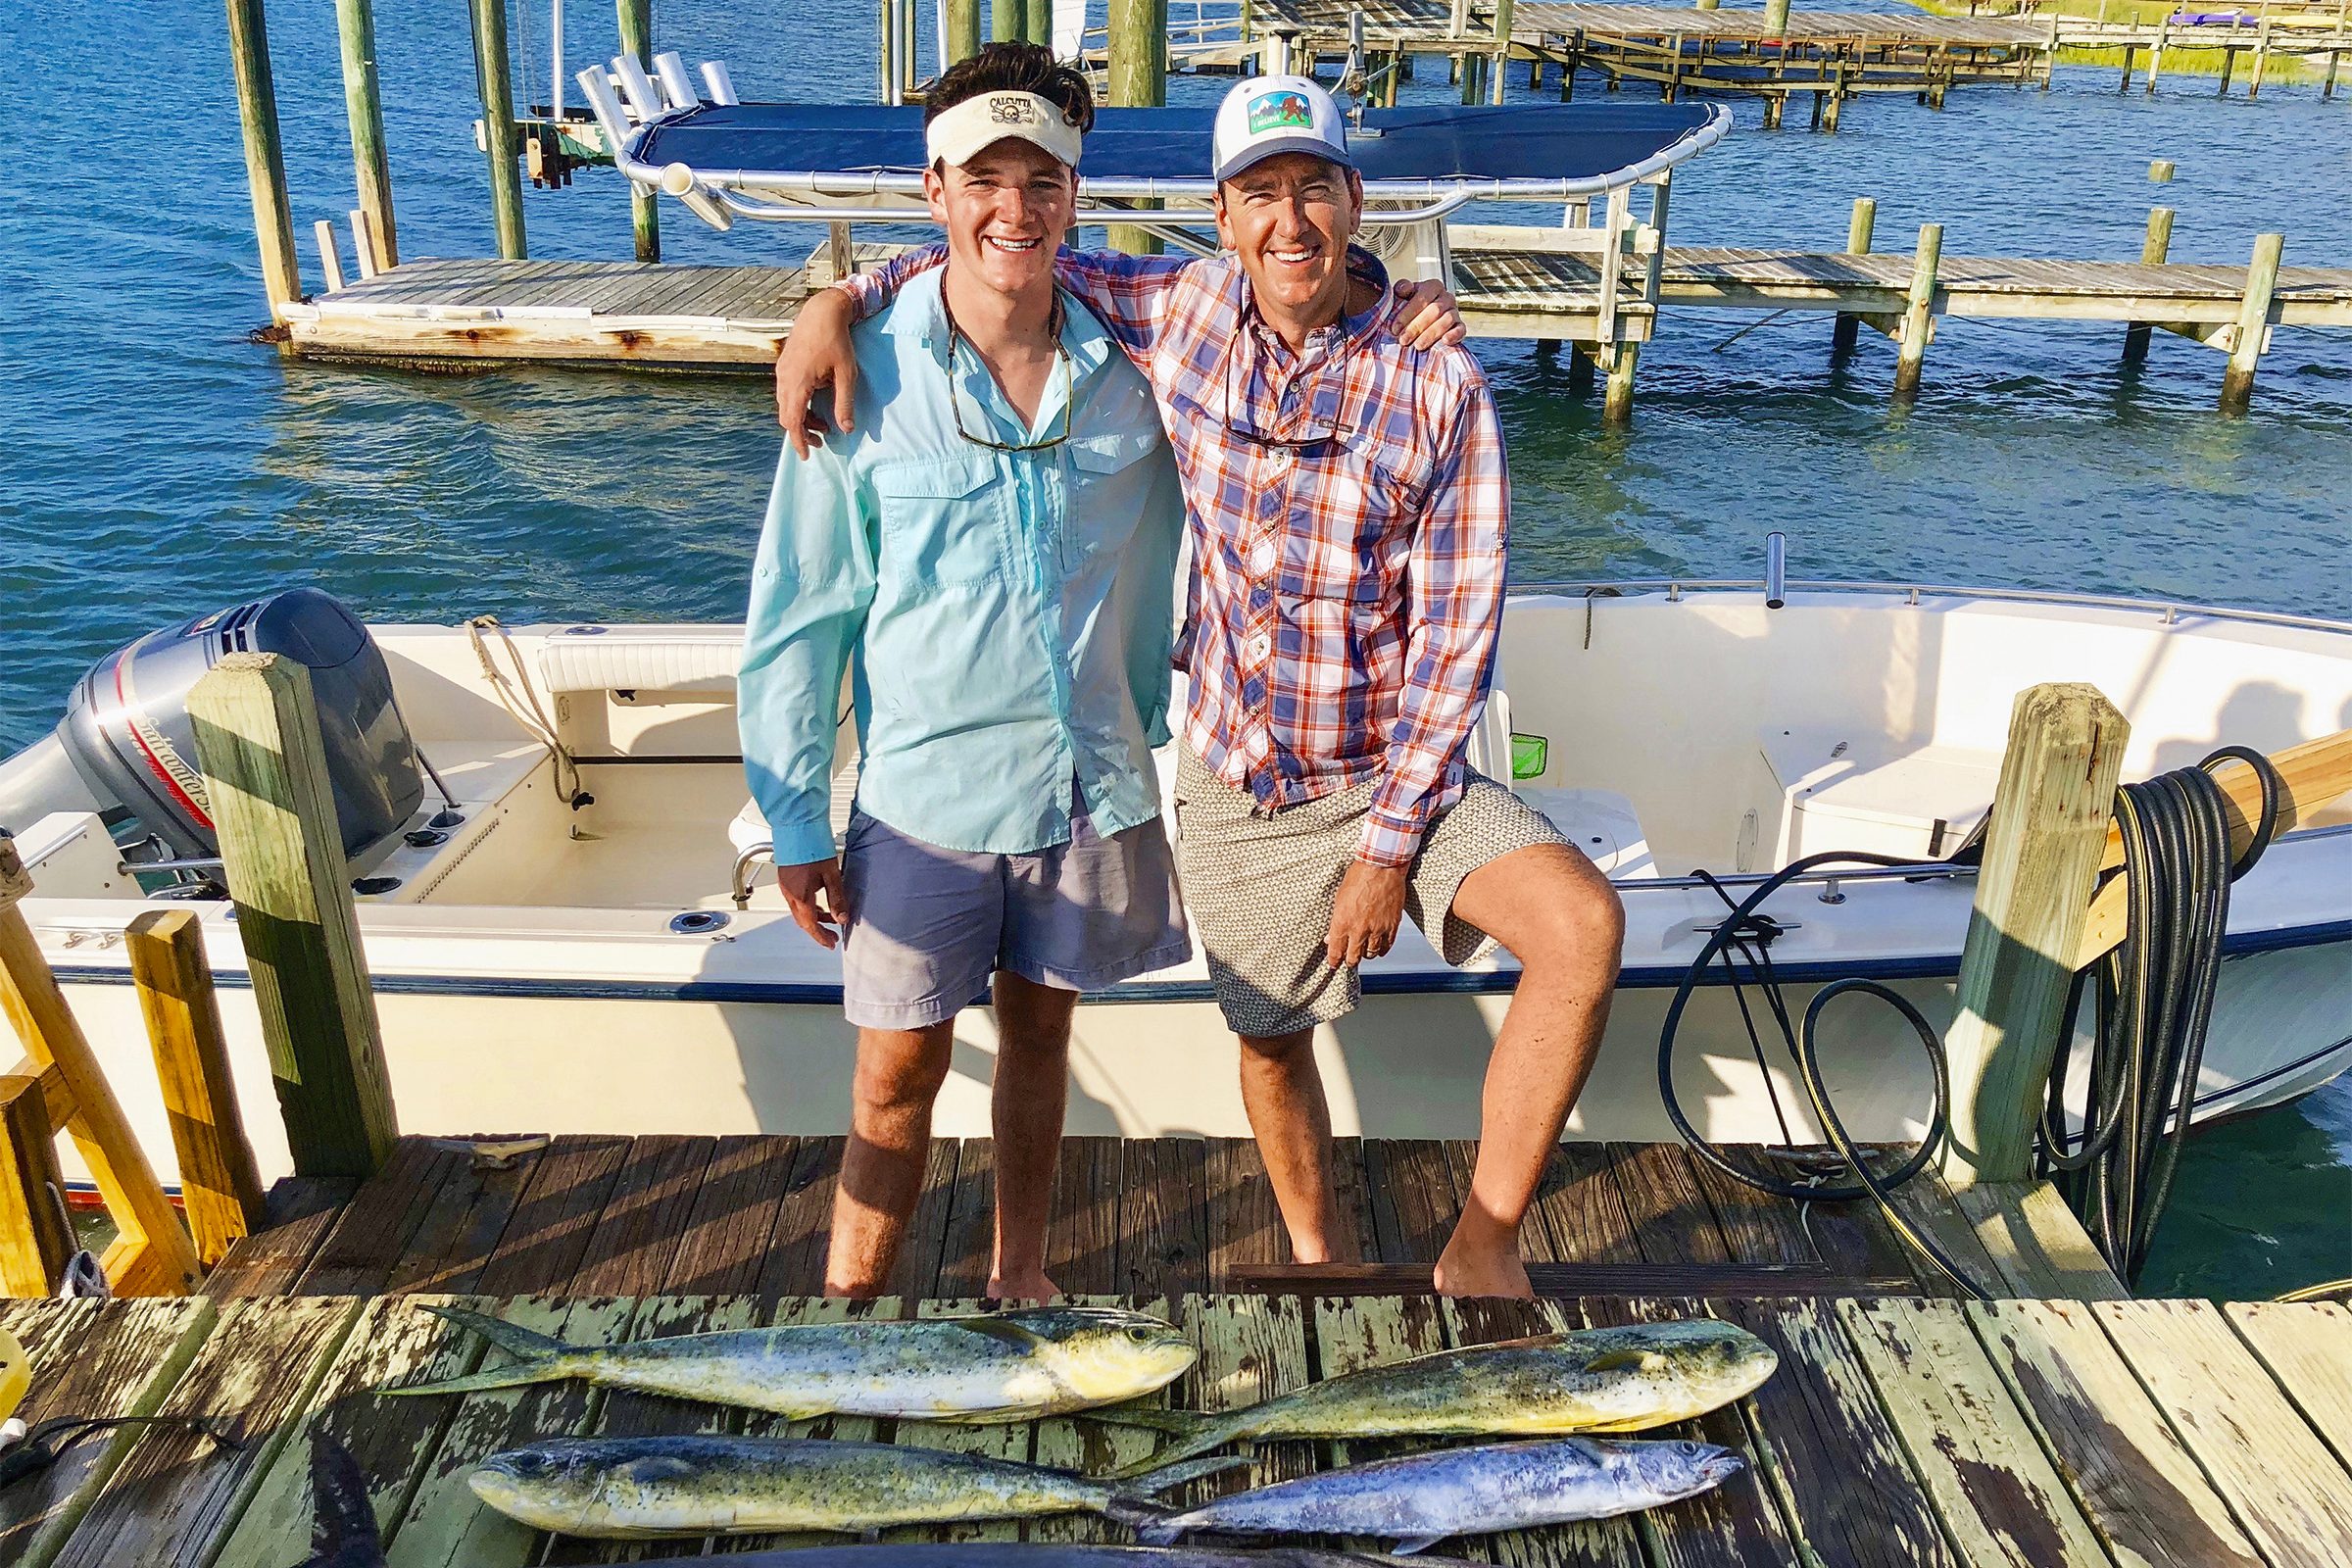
(1193, 1437)
(538, 1357)
(1167, 1475)
(1160, 1530)
(512, 1337)
(344, 1525)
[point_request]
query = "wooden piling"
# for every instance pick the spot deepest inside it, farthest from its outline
(1919, 310)
(1617, 402)
(264, 774)
(36, 1240)
(1500, 68)
(2160, 170)
(2131, 53)
(492, 78)
(1007, 21)
(2164, 33)
(963, 29)
(2152, 252)
(1857, 243)
(1138, 79)
(2041, 856)
(2262, 58)
(2253, 324)
(362, 103)
(2228, 65)
(637, 38)
(1776, 17)
(219, 1182)
(153, 1256)
(1038, 27)
(265, 159)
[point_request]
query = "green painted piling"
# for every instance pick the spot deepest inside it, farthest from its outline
(264, 161)
(637, 38)
(494, 80)
(1776, 17)
(1919, 312)
(1857, 243)
(1007, 21)
(2152, 251)
(1039, 26)
(2160, 170)
(2253, 324)
(963, 29)
(1500, 68)
(362, 103)
(1138, 79)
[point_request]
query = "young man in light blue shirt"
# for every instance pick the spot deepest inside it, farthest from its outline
(989, 556)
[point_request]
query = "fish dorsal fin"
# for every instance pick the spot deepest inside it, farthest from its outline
(1627, 1360)
(1004, 1331)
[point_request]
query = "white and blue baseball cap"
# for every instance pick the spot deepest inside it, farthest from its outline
(1269, 114)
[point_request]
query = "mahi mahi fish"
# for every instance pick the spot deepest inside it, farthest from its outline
(1590, 1380)
(648, 1487)
(996, 1366)
(1421, 1499)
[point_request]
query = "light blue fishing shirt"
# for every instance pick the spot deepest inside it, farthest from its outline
(1005, 617)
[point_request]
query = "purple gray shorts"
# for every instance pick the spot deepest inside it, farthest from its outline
(928, 926)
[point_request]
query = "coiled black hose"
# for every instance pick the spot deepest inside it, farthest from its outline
(2154, 1004)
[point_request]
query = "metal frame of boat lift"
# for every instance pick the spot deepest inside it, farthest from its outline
(628, 105)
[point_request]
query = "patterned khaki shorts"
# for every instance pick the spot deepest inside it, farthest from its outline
(1259, 888)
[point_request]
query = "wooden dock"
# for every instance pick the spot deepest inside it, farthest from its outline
(1898, 1428)
(480, 313)
(1834, 55)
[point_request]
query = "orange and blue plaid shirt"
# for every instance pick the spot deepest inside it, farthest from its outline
(1349, 509)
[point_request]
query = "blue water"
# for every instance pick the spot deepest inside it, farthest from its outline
(156, 462)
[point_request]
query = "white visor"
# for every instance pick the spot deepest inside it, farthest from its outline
(957, 135)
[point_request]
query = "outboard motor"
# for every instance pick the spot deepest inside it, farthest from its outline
(127, 730)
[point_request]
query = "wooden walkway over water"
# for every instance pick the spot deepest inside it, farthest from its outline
(480, 313)
(1834, 55)
(1898, 1430)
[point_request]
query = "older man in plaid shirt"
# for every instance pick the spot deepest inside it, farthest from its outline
(1349, 509)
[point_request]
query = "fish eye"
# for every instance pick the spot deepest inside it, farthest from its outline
(1140, 1334)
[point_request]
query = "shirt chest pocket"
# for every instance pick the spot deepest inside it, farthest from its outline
(943, 521)
(1106, 501)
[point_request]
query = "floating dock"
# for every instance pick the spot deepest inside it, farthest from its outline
(2050, 1433)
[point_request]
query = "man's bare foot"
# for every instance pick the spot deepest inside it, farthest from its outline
(1033, 1287)
(1469, 1267)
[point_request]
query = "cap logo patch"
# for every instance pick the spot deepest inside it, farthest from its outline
(1276, 110)
(1012, 111)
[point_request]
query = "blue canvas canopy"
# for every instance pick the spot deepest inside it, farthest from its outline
(1423, 144)
(781, 161)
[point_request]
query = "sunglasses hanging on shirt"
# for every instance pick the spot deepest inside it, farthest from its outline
(1069, 385)
(1237, 423)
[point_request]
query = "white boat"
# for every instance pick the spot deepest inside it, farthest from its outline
(539, 967)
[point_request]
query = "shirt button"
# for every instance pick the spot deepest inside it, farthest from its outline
(1258, 645)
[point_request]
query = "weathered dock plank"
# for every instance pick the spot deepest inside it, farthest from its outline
(90, 1358)
(395, 1340)
(2290, 1491)
(1986, 1473)
(1823, 1442)
(2308, 1348)
(1095, 1447)
(1163, 1217)
(177, 1491)
(2137, 1486)
(726, 1237)
(303, 1209)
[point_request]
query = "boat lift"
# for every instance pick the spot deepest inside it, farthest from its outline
(1146, 168)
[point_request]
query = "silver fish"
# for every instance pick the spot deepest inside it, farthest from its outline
(650, 1487)
(996, 1366)
(1042, 1555)
(1421, 1499)
(1593, 1379)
